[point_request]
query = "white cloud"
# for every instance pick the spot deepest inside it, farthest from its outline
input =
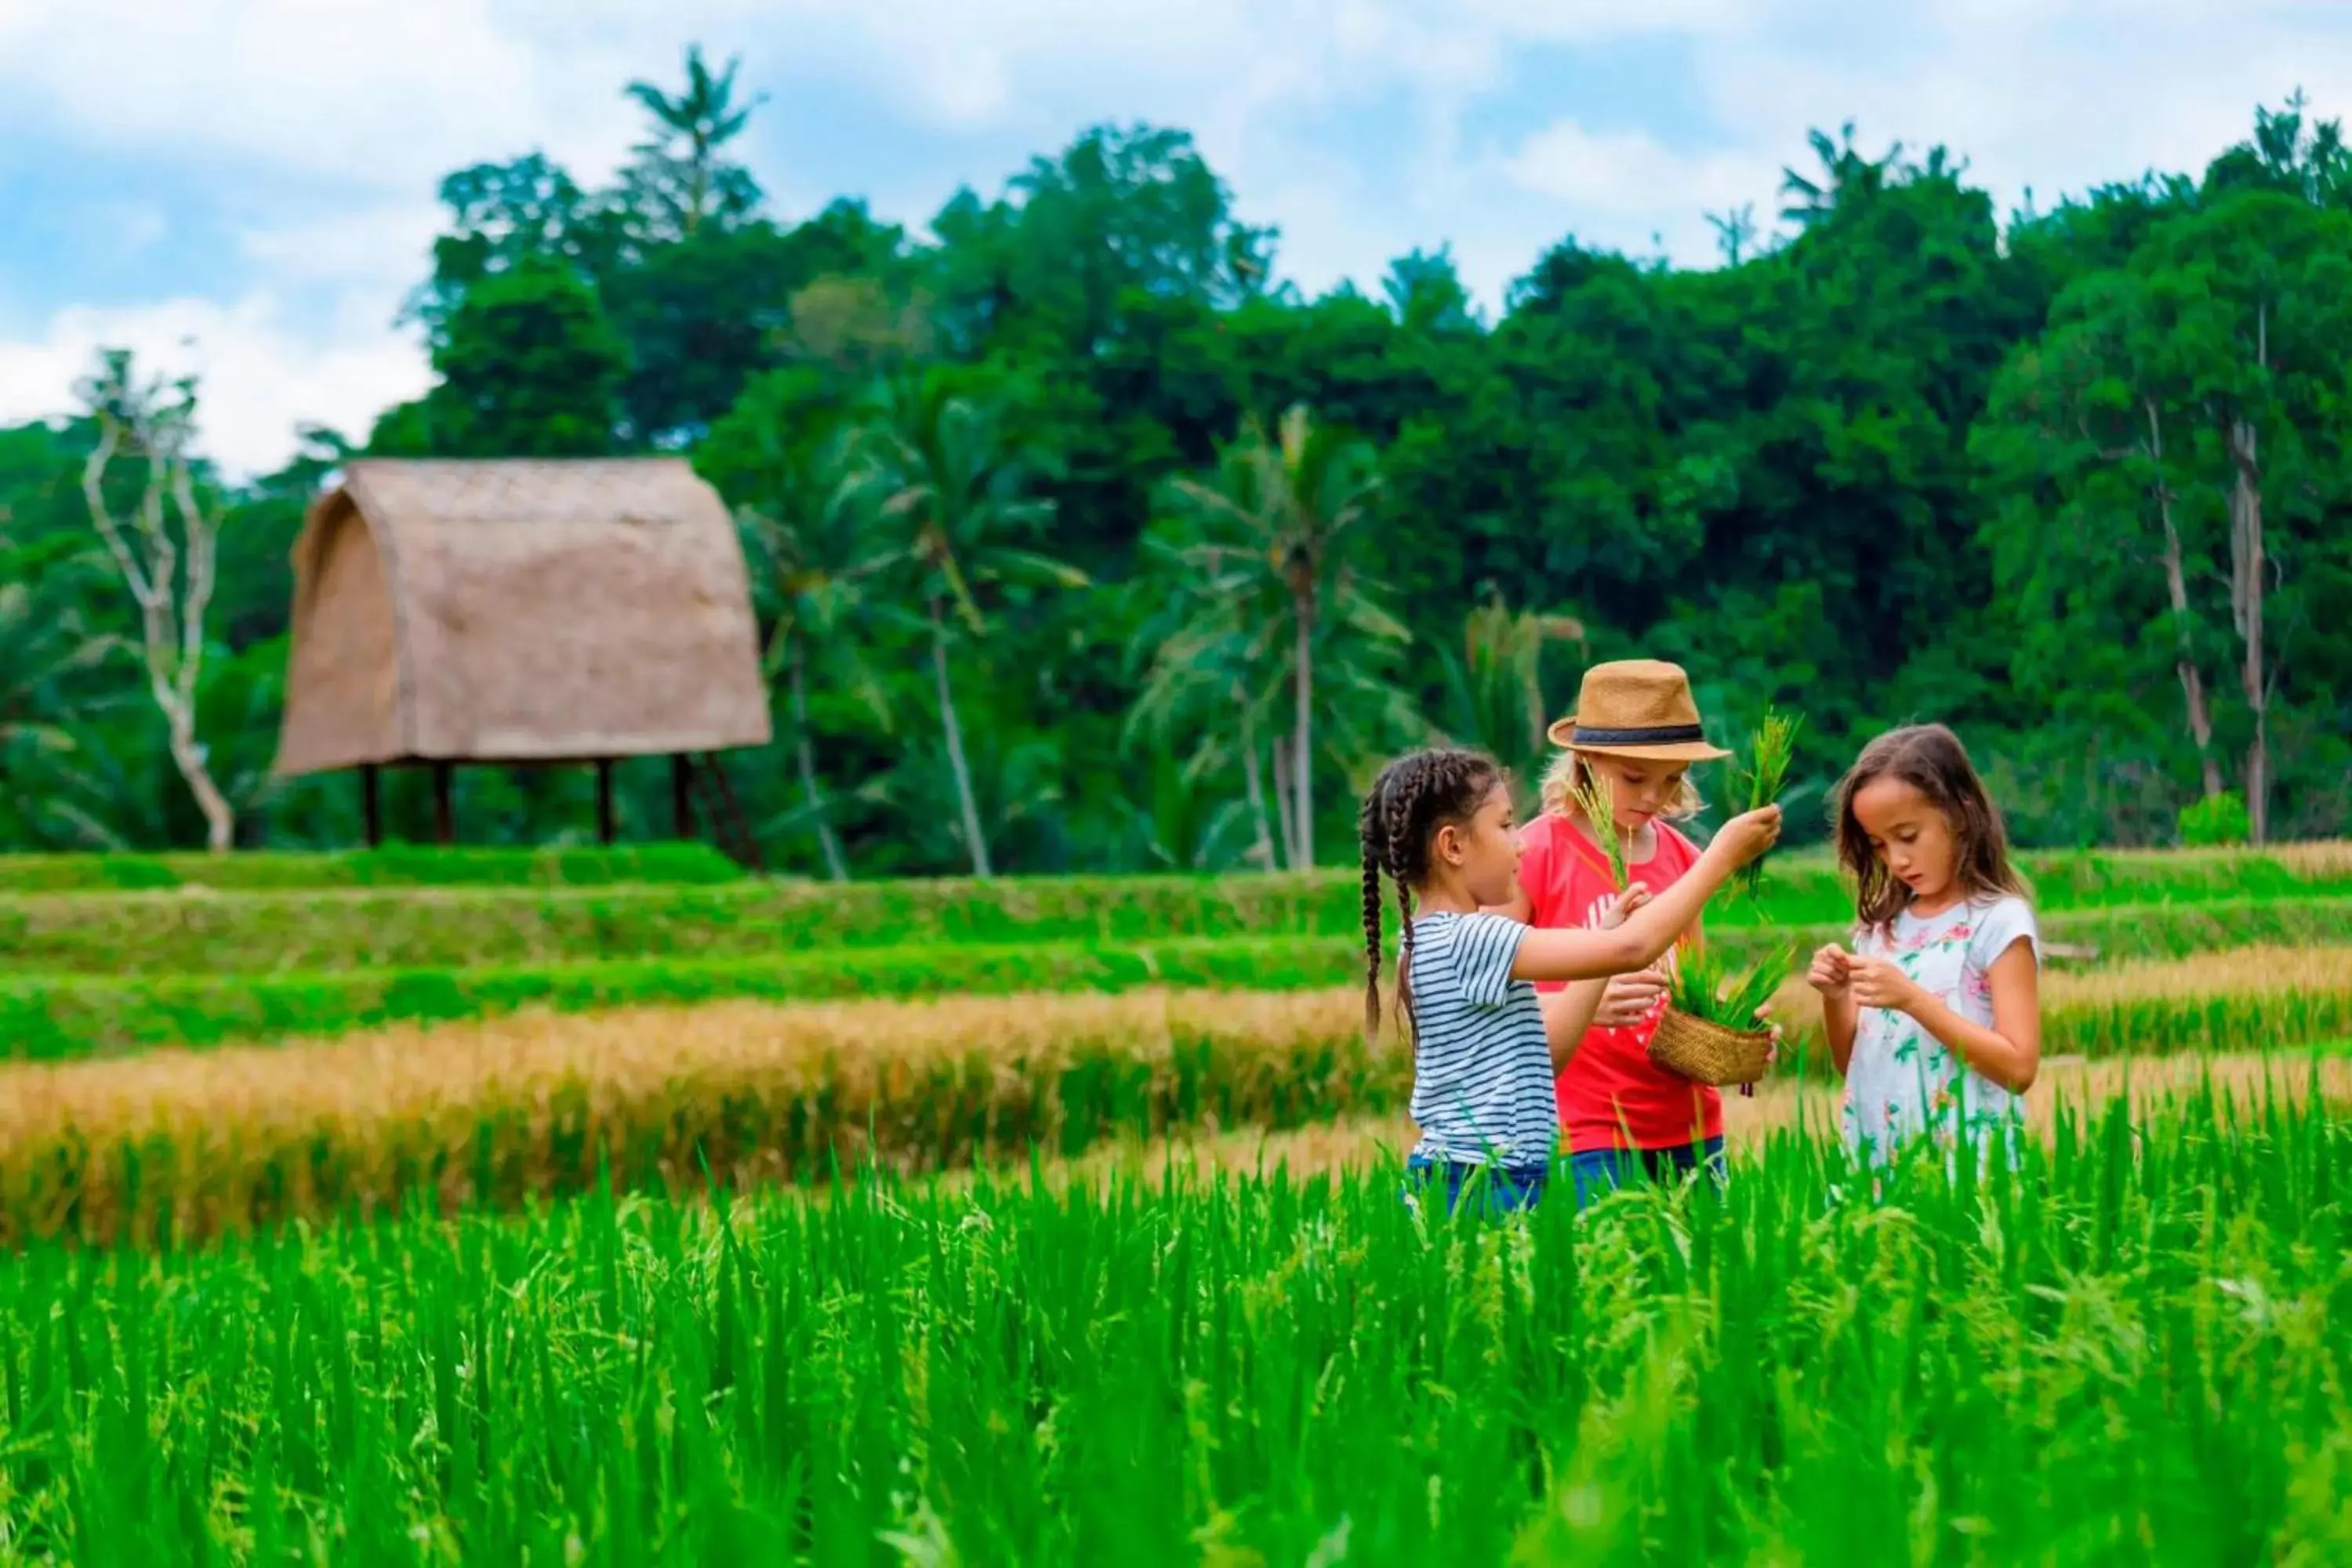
(260, 379)
(377, 99)
(1626, 185)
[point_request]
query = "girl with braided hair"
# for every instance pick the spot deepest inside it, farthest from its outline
(1438, 825)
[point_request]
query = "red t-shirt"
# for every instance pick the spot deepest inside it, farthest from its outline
(1611, 1078)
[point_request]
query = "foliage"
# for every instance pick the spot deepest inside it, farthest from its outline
(2070, 481)
(2214, 822)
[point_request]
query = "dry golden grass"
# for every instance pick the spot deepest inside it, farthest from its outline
(2237, 972)
(2320, 858)
(540, 1103)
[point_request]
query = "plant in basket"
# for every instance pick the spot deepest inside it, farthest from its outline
(1709, 1031)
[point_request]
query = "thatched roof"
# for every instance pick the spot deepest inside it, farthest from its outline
(518, 612)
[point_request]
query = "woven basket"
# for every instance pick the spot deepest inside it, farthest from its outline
(1709, 1053)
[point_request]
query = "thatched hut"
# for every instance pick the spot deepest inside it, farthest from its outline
(520, 613)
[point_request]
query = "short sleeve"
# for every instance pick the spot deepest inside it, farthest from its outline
(2004, 925)
(1484, 948)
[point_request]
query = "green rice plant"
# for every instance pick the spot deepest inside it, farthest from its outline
(1706, 984)
(2131, 1349)
(394, 866)
(1767, 774)
(381, 926)
(49, 1016)
(1592, 797)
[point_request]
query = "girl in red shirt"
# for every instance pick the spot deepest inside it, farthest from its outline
(1636, 732)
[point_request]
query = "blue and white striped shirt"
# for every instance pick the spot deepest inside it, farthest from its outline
(1482, 1078)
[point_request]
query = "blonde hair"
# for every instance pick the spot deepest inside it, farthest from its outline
(1568, 772)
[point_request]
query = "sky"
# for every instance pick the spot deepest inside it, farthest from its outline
(245, 188)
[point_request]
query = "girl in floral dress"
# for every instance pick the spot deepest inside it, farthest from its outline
(1934, 1016)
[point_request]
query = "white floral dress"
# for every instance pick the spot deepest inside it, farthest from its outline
(1904, 1083)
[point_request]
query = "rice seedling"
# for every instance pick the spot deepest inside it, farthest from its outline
(1703, 984)
(1767, 774)
(1600, 812)
(2134, 1348)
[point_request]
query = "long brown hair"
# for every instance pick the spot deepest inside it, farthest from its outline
(1931, 760)
(1413, 797)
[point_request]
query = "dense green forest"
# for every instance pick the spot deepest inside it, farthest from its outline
(1081, 540)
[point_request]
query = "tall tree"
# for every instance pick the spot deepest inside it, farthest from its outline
(786, 458)
(1278, 527)
(959, 502)
(530, 368)
(681, 179)
(163, 536)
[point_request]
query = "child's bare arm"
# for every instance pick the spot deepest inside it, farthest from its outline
(1651, 930)
(2009, 1053)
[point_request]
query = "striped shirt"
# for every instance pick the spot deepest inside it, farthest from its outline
(1482, 1081)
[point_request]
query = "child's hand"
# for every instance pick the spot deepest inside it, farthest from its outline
(1748, 835)
(1621, 905)
(1629, 1000)
(1831, 973)
(1879, 982)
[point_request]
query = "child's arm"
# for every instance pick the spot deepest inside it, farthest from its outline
(1571, 1013)
(2007, 1053)
(1831, 976)
(1651, 930)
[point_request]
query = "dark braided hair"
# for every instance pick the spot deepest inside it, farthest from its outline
(1413, 797)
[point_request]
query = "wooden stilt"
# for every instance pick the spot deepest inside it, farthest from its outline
(605, 801)
(372, 804)
(445, 807)
(681, 801)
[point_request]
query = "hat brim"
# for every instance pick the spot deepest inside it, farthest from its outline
(1563, 734)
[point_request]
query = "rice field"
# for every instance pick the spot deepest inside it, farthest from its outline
(661, 1218)
(2137, 1350)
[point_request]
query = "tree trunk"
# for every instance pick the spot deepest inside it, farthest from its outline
(2176, 584)
(975, 842)
(1254, 783)
(1284, 803)
(172, 603)
(188, 756)
(2247, 569)
(1302, 744)
(827, 844)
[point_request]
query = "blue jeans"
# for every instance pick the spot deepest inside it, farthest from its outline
(1599, 1172)
(1503, 1188)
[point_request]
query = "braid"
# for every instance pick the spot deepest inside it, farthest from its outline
(1413, 796)
(1408, 853)
(1369, 830)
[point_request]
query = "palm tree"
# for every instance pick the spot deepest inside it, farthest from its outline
(950, 493)
(1844, 175)
(1270, 536)
(1207, 665)
(822, 560)
(43, 644)
(1493, 685)
(705, 117)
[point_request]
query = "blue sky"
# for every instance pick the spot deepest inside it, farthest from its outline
(245, 187)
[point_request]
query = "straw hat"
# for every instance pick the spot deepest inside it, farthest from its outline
(1638, 708)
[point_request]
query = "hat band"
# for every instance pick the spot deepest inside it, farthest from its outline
(1658, 735)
